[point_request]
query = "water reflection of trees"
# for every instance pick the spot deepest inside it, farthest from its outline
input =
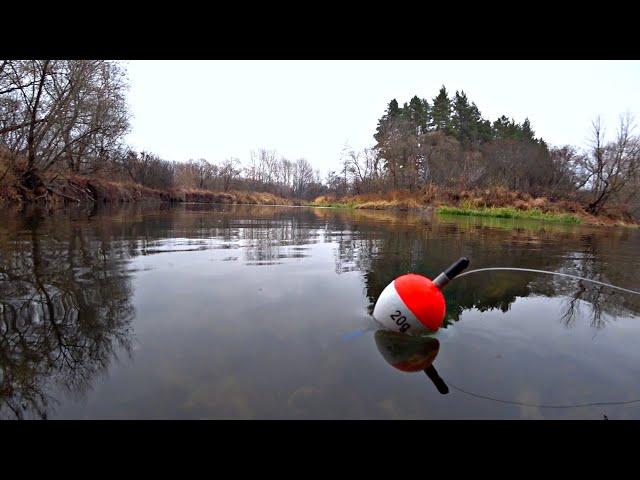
(383, 249)
(606, 256)
(64, 312)
(267, 241)
(65, 288)
(266, 235)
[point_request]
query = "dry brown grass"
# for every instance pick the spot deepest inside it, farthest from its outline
(113, 192)
(234, 197)
(393, 200)
(61, 188)
(406, 204)
(496, 197)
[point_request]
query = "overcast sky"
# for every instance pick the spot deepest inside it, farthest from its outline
(311, 109)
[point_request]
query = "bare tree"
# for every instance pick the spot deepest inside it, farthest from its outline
(267, 160)
(148, 169)
(229, 171)
(362, 169)
(205, 172)
(286, 173)
(609, 167)
(563, 176)
(55, 110)
(440, 153)
(303, 176)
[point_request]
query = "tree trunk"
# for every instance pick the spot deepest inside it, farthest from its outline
(34, 112)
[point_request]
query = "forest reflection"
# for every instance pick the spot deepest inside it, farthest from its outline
(66, 310)
(66, 286)
(424, 245)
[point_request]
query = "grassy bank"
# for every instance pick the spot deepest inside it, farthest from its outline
(368, 203)
(492, 202)
(495, 212)
(510, 212)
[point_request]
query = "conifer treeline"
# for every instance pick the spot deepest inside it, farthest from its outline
(447, 142)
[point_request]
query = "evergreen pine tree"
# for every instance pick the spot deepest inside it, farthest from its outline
(441, 111)
(461, 124)
(504, 128)
(393, 111)
(467, 123)
(405, 112)
(392, 134)
(426, 111)
(419, 114)
(527, 132)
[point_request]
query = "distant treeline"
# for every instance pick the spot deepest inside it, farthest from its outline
(65, 118)
(265, 172)
(447, 142)
(60, 118)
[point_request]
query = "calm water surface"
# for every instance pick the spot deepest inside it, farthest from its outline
(245, 312)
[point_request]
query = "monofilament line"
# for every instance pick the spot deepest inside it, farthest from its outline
(548, 273)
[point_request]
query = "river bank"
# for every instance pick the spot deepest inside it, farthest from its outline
(80, 190)
(497, 203)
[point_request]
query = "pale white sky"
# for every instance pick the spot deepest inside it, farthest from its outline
(310, 109)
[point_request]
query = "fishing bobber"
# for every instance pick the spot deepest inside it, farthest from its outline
(413, 303)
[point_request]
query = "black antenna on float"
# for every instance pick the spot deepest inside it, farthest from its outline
(450, 273)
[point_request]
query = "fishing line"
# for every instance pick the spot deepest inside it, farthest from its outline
(524, 404)
(548, 273)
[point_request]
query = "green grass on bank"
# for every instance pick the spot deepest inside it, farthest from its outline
(510, 212)
(462, 210)
(332, 205)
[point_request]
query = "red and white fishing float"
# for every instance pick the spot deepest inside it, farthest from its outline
(413, 303)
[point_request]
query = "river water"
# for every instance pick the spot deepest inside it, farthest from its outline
(247, 312)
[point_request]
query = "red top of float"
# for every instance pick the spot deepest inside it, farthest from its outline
(423, 298)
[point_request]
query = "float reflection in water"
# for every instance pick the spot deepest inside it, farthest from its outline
(411, 354)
